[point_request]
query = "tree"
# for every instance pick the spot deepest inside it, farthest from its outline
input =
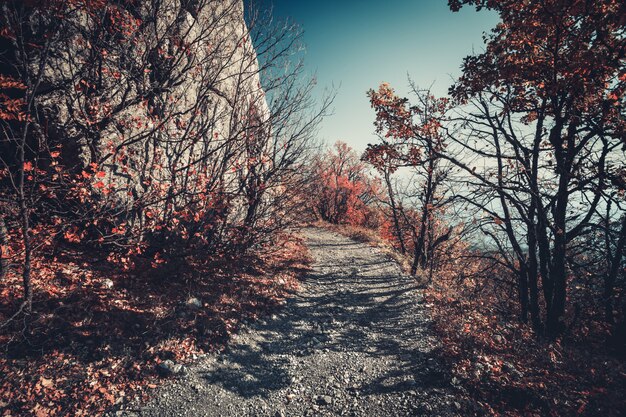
(156, 131)
(385, 159)
(340, 188)
(545, 111)
(411, 137)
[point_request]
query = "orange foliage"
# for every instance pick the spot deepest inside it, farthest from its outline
(504, 367)
(81, 300)
(342, 189)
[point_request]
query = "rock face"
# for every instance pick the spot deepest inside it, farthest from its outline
(151, 92)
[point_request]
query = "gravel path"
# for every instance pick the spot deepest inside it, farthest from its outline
(353, 341)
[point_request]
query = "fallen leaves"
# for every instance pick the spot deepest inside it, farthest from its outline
(508, 370)
(46, 383)
(96, 346)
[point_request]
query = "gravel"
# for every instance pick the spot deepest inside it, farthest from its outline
(354, 341)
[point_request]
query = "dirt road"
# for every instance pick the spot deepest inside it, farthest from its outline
(354, 341)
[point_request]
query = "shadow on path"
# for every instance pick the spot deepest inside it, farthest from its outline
(355, 332)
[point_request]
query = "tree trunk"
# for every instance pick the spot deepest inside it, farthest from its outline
(609, 281)
(533, 284)
(394, 212)
(4, 242)
(25, 226)
(558, 269)
(533, 267)
(420, 244)
(523, 293)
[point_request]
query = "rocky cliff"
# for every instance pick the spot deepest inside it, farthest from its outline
(142, 95)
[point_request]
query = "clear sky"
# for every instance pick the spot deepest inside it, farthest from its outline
(354, 45)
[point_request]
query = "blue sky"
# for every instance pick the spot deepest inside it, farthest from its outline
(354, 45)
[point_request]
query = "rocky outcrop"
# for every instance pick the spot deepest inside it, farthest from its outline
(147, 92)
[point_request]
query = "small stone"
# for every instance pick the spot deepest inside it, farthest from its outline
(324, 400)
(511, 369)
(108, 284)
(508, 367)
(168, 368)
(194, 303)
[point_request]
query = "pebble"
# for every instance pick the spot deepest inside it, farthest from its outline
(324, 400)
(168, 368)
(194, 303)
